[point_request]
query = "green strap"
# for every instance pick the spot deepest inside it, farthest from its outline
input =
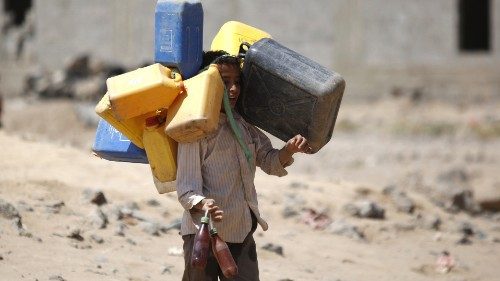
(235, 128)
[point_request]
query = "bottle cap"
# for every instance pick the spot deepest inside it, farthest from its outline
(204, 219)
(213, 231)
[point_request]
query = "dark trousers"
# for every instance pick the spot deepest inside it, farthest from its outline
(244, 254)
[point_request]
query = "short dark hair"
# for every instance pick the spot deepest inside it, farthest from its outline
(219, 57)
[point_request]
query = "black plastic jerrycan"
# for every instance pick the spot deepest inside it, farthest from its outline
(285, 94)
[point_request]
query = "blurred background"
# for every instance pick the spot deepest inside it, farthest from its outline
(447, 49)
(415, 70)
(423, 77)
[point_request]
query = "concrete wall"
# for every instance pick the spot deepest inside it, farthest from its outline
(122, 30)
(378, 45)
(114, 30)
(412, 46)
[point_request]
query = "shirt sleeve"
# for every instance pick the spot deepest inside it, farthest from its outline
(266, 157)
(189, 178)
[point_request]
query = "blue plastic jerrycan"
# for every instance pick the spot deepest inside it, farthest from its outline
(179, 35)
(112, 145)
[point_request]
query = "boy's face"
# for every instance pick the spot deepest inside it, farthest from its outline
(230, 74)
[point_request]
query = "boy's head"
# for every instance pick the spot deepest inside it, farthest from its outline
(229, 69)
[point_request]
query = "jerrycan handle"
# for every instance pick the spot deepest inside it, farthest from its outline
(243, 51)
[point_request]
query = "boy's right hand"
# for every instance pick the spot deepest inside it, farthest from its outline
(209, 204)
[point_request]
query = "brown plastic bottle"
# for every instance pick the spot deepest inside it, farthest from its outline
(223, 255)
(201, 246)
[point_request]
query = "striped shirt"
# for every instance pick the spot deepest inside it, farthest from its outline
(216, 167)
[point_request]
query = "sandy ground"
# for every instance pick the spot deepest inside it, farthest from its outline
(46, 164)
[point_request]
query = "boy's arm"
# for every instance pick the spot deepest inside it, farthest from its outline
(292, 146)
(273, 161)
(189, 178)
(190, 181)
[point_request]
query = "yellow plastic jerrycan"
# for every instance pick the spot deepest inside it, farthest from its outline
(161, 151)
(195, 113)
(143, 90)
(233, 33)
(132, 128)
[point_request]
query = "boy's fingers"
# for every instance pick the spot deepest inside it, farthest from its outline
(217, 216)
(302, 143)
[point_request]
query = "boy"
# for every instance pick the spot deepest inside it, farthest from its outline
(213, 174)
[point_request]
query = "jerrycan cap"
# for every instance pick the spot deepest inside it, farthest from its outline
(204, 219)
(152, 121)
(213, 231)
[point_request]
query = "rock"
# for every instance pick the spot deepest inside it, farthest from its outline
(428, 222)
(56, 278)
(55, 85)
(23, 206)
(351, 209)
(463, 200)
(341, 227)
(175, 224)
(452, 192)
(488, 197)
(115, 213)
(151, 228)
(120, 229)
(97, 239)
(166, 269)
(8, 211)
(365, 209)
(289, 212)
(140, 216)
(453, 198)
(89, 89)
(78, 66)
(81, 246)
(95, 197)
(131, 205)
(131, 242)
(402, 202)
(465, 240)
(273, 248)
(175, 251)
(293, 204)
(153, 203)
(75, 234)
(408, 226)
(466, 228)
(298, 185)
(98, 219)
(54, 207)
(18, 225)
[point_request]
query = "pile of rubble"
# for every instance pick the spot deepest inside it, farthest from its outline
(83, 79)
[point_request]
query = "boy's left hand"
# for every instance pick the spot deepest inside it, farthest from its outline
(298, 144)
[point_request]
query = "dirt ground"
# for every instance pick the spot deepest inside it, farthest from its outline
(47, 170)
